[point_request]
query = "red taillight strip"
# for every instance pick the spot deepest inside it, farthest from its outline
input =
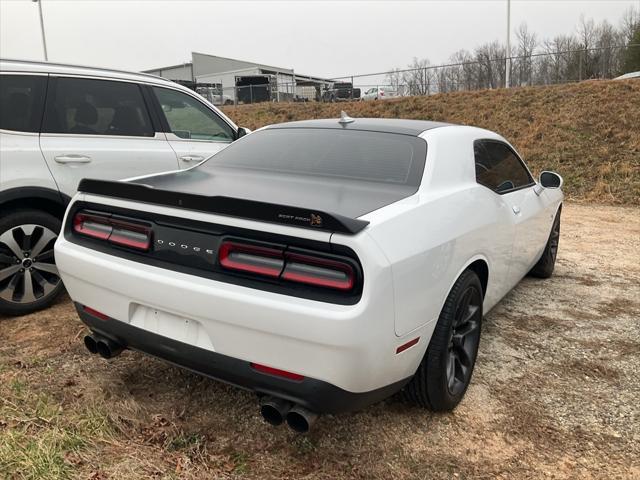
(317, 278)
(113, 230)
(291, 266)
(258, 259)
(92, 226)
(95, 313)
(277, 372)
(407, 345)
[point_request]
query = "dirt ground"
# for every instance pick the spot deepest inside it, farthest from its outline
(555, 394)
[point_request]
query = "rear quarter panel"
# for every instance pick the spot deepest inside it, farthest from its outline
(431, 237)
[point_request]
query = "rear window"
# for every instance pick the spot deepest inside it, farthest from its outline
(21, 102)
(83, 106)
(347, 154)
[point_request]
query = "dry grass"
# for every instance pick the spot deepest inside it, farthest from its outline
(554, 395)
(588, 132)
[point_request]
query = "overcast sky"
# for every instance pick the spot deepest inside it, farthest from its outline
(318, 38)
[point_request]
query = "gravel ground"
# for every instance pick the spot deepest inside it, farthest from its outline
(555, 393)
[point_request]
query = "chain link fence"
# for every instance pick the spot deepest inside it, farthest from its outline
(484, 71)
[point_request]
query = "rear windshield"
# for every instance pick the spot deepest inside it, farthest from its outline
(347, 154)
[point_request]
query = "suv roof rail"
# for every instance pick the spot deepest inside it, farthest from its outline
(88, 67)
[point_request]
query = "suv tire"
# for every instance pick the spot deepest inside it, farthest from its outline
(29, 279)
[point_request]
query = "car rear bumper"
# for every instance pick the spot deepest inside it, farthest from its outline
(316, 395)
(343, 348)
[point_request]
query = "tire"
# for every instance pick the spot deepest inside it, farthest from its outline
(446, 369)
(29, 279)
(544, 267)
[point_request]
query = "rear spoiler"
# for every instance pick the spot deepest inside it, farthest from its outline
(233, 207)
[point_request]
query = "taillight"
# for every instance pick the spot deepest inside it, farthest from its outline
(251, 258)
(92, 226)
(114, 230)
(290, 266)
(320, 272)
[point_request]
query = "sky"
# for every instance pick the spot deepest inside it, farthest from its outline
(324, 38)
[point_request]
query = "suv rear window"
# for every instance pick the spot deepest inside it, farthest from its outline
(348, 154)
(82, 106)
(21, 102)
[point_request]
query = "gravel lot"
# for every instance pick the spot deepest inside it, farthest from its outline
(555, 394)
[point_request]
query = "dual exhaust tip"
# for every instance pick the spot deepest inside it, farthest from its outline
(105, 347)
(276, 411)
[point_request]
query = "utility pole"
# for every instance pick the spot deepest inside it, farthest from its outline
(507, 76)
(44, 41)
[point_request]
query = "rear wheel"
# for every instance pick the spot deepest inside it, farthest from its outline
(445, 371)
(546, 264)
(29, 278)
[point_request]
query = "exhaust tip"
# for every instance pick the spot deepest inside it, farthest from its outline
(108, 349)
(271, 415)
(91, 344)
(273, 410)
(297, 422)
(103, 349)
(300, 419)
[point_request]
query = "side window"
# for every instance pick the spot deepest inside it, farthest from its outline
(190, 119)
(498, 168)
(82, 106)
(21, 102)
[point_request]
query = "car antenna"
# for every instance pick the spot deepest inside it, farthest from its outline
(345, 119)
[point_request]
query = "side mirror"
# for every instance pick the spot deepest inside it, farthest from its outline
(548, 180)
(242, 131)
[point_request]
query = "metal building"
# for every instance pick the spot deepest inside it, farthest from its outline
(227, 80)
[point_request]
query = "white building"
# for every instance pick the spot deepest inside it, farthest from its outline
(241, 81)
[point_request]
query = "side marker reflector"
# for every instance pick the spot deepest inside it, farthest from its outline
(277, 372)
(407, 345)
(95, 313)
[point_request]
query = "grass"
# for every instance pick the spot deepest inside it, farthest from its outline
(587, 132)
(39, 439)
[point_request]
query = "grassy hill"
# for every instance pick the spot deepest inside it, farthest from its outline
(589, 132)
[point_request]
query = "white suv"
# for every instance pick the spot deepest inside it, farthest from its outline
(60, 124)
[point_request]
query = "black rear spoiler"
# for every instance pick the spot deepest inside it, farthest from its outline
(233, 207)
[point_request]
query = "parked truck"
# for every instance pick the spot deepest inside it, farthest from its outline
(340, 92)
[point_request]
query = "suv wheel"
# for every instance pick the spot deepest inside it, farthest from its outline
(29, 279)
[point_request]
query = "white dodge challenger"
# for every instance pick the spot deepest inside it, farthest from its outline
(323, 264)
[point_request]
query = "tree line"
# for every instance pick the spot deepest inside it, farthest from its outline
(594, 50)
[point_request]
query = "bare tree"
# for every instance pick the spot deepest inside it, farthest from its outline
(527, 42)
(586, 37)
(629, 23)
(419, 77)
(394, 79)
(593, 51)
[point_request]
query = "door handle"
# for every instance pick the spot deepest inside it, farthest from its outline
(191, 158)
(516, 209)
(72, 158)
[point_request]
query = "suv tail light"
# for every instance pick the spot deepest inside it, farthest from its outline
(293, 267)
(114, 230)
